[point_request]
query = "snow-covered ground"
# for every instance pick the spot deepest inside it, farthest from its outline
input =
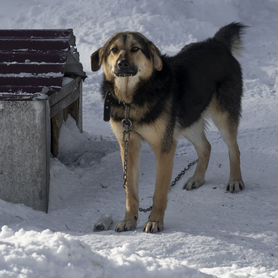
(208, 232)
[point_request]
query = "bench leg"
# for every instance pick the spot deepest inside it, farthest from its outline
(56, 123)
(75, 109)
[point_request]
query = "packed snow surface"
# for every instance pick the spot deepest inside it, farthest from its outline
(208, 232)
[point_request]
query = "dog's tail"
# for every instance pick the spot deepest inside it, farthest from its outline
(231, 36)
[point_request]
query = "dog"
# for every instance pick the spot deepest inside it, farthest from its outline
(168, 98)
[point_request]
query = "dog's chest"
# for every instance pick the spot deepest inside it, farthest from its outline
(125, 87)
(137, 114)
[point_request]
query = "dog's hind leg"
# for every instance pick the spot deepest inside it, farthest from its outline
(228, 128)
(196, 135)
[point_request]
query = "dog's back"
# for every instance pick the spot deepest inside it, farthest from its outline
(205, 69)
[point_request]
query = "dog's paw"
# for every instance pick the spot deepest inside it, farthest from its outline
(125, 226)
(153, 227)
(235, 186)
(193, 183)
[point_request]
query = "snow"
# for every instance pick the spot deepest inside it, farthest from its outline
(208, 232)
(59, 254)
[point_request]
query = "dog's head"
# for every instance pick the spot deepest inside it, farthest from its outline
(127, 54)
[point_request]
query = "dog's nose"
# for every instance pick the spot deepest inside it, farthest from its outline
(123, 64)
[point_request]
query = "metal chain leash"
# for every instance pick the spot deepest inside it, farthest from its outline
(127, 128)
(175, 181)
(182, 172)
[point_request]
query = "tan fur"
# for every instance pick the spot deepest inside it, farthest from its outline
(154, 135)
(132, 199)
(165, 161)
(228, 130)
(135, 114)
(125, 86)
(196, 135)
(158, 134)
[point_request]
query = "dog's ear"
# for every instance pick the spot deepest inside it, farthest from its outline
(96, 59)
(157, 61)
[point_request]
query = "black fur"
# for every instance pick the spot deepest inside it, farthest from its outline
(230, 34)
(155, 92)
(189, 80)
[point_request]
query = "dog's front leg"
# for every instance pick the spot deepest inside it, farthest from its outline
(165, 160)
(131, 190)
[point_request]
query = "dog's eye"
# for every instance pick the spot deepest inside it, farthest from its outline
(114, 50)
(134, 49)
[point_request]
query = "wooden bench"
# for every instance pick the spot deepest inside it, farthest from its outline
(40, 85)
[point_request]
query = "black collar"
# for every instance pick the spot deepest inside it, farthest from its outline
(107, 106)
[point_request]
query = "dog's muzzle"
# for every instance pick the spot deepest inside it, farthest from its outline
(124, 69)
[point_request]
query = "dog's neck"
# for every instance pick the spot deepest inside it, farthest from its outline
(133, 90)
(124, 88)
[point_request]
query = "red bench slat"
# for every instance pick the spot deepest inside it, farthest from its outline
(36, 33)
(30, 68)
(26, 89)
(22, 57)
(32, 81)
(27, 45)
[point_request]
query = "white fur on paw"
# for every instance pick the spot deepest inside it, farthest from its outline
(235, 186)
(125, 226)
(193, 183)
(153, 227)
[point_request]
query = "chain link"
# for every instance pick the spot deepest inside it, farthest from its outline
(127, 128)
(126, 145)
(182, 172)
(175, 181)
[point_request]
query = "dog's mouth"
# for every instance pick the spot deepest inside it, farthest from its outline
(128, 72)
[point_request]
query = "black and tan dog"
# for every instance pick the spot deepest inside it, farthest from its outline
(171, 97)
